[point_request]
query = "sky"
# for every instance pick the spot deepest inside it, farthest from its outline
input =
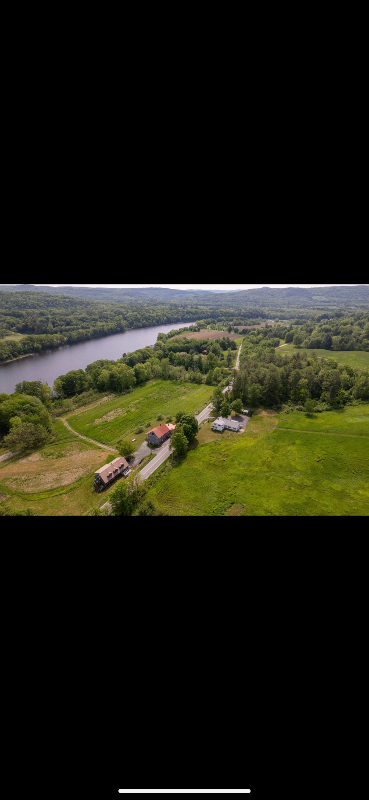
(197, 286)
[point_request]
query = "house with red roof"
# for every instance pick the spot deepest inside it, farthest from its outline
(159, 435)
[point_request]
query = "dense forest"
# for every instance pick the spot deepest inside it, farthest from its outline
(274, 380)
(348, 332)
(277, 299)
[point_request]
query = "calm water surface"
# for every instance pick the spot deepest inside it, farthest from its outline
(48, 365)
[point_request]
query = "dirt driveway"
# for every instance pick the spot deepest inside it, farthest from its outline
(243, 420)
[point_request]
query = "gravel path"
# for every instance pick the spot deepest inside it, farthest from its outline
(99, 444)
(9, 455)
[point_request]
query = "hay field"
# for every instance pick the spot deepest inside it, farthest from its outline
(304, 467)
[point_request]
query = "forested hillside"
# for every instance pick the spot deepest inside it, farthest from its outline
(46, 321)
(332, 296)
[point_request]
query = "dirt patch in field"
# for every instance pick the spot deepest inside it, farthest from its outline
(235, 510)
(118, 412)
(3, 497)
(208, 335)
(44, 474)
(31, 459)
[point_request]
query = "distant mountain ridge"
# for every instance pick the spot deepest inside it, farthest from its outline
(294, 297)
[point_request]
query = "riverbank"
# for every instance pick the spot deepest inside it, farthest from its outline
(10, 360)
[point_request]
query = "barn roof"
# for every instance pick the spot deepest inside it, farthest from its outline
(110, 471)
(162, 430)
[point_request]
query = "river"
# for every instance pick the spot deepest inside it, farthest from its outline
(49, 364)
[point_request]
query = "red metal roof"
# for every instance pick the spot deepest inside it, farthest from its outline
(162, 430)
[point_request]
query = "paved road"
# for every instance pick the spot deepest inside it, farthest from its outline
(162, 454)
(166, 450)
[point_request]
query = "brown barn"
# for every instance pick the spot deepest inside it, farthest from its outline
(107, 474)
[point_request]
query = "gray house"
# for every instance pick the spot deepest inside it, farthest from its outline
(222, 424)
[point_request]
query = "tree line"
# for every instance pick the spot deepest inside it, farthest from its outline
(348, 332)
(177, 360)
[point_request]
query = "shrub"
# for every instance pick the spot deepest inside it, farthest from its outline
(140, 429)
(320, 406)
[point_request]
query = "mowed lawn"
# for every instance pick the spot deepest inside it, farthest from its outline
(354, 358)
(119, 418)
(272, 471)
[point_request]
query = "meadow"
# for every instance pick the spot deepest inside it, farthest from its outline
(354, 358)
(57, 480)
(315, 466)
(14, 337)
(119, 418)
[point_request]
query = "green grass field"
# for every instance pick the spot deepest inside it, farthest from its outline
(272, 470)
(354, 358)
(13, 337)
(119, 418)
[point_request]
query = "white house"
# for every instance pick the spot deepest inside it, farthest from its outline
(222, 424)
